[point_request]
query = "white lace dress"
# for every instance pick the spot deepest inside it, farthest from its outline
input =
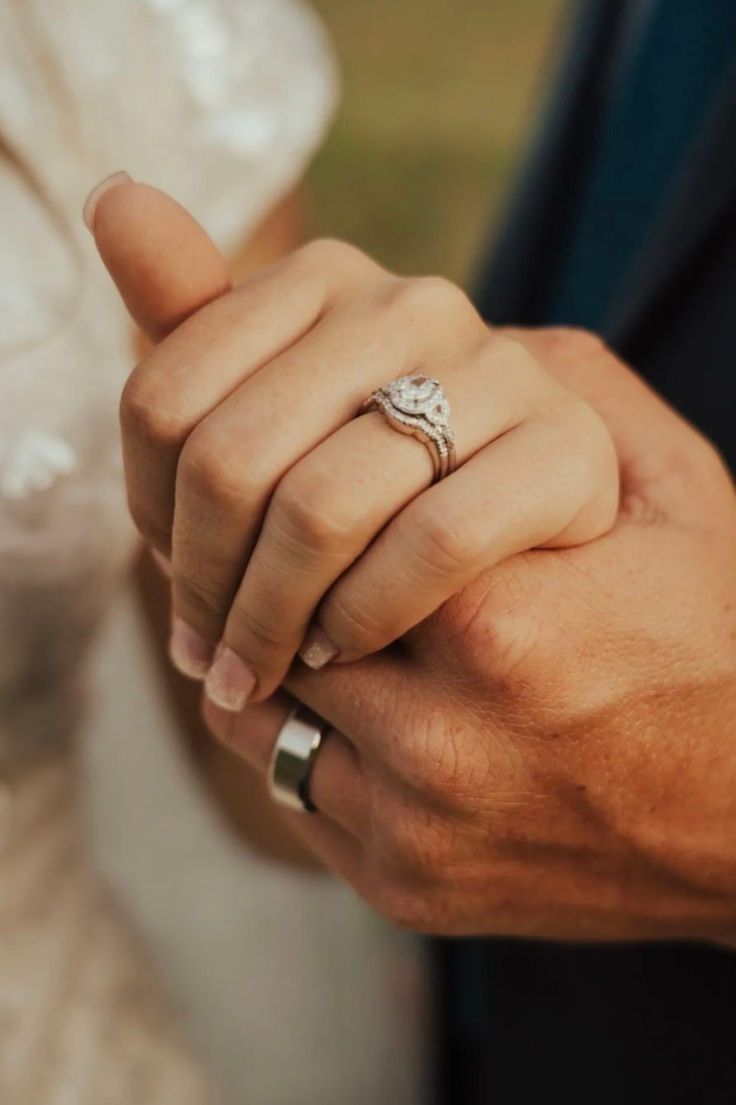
(220, 102)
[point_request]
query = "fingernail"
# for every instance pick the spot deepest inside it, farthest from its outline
(317, 649)
(230, 681)
(163, 563)
(189, 652)
(90, 204)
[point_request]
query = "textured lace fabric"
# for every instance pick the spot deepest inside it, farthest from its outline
(220, 102)
(82, 1017)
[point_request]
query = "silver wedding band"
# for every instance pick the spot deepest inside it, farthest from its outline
(297, 747)
(416, 405)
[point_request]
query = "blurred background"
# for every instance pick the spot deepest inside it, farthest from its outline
(437, 97)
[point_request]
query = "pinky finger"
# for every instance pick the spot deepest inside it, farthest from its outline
(521, 492)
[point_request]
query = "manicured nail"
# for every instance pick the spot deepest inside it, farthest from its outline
(230, 681)
(189, 652)
(90, 204)
(163, 563)
(317, 649)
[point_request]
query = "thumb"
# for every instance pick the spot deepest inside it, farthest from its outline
(162, 262)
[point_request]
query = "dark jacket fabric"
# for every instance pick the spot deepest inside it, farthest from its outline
(642, 1024)
(675, 320)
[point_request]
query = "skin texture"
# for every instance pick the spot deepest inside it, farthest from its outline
(279, 509)
(550, 753)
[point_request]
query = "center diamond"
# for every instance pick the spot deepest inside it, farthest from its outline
(415, 394)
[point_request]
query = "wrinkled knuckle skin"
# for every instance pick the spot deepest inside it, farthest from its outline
(205, 475)
(303, 513)
(252, 636)
(145, 418)
(450, 544)
(358, 626)
(154, 531)
(201, 603)
(494, 637)
(437, 768)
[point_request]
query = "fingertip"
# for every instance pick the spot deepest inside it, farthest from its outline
(230, 682)
(318, 649)
(189, 652)
(91, 204)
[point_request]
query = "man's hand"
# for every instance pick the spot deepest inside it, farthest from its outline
(554, 752)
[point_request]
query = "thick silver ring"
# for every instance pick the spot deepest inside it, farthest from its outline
(417, 405)
(297, 746)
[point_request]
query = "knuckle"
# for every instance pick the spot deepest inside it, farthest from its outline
(201, 602)
(356, 623)
(409, 841)
(447, 543)
(495, 633)
(406, 907)
(331, 254)
(434, 297)
(206, 472)
(435, 768)
(303, 513)
(144, 415)
(253, 634)
(576, 341)
(513, 360)
(153, 529)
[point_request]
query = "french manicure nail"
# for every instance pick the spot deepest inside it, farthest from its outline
(189, 651)
(230, 681)
(90, 204)
(317, 649)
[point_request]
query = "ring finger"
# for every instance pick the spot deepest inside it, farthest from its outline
(524, 491)
(330, 507)
(337, 785)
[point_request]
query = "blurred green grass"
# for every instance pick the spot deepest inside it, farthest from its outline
(437, 97)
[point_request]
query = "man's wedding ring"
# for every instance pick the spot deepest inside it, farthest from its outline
(297, 747)
(416, 405)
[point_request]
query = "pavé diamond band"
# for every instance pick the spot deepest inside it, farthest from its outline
(416, 405)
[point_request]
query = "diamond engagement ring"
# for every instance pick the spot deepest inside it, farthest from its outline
(416, 405)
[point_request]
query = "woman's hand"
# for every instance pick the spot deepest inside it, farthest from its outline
(291, 524)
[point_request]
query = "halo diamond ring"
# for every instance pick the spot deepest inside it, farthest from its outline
(416, 405)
